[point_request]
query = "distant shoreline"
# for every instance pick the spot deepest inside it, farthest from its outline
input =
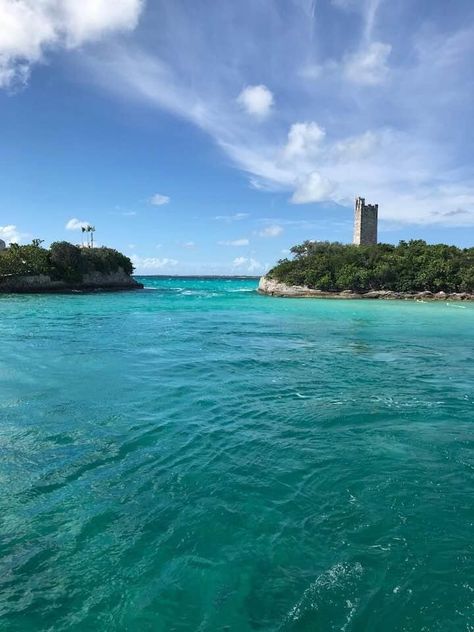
(198, 276)
(272, 287)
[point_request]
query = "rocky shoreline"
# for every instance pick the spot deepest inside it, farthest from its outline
(93, 282)
(272, 287)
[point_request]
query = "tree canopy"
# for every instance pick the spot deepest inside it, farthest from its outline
(412, 266)
(62, 262)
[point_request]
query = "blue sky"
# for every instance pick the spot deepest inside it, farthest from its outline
(207, 137)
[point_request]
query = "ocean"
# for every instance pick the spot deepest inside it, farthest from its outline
(197, 457)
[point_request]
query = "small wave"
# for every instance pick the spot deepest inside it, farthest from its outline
(193, 292)
(240, 290)
(199, 293)
(163, 290)
(340, 577)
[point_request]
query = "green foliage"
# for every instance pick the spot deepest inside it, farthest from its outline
(411, 266)
(66, 262)
(24, 260)
(63, 261)
(105, 260)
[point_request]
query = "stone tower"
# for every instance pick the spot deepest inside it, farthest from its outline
(365, 222)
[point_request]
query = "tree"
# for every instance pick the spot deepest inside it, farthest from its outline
(66, 261)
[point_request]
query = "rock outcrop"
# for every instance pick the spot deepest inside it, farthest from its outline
(95, 281)
(273, 287)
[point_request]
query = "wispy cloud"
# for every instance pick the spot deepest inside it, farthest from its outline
(271, 231)
(247, 264)
(234, 242)
(150, 264)
(369, 66)
(76, 224)
(236, 217)
(159, 200)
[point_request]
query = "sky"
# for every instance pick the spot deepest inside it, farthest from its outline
(208, 137)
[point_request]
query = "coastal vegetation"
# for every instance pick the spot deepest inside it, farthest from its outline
(411, 266)
(61, 262)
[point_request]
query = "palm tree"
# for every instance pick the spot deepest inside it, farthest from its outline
(83, 229)
(92, 231)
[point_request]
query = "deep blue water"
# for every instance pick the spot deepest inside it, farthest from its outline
(197, 457)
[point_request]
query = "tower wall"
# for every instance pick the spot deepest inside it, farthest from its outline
(365, 222)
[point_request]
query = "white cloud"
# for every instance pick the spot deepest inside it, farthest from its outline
(30, 27)
(271, 231)
(159, 200)
(152, 263)
(10, 234)
(256, 100)
(188, 244)
(236, 217)
(234, 242)
(76, 224)
(356, 147)
(304, 139)
(312, 188)
(247, 264)
(368, 67)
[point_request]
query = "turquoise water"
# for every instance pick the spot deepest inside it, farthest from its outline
(198, 457)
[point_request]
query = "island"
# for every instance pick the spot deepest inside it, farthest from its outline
(64, 267)
(411, 270)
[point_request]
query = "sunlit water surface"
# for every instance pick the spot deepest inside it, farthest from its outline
(198, 457)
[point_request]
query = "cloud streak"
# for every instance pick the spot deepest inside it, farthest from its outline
(234, 242)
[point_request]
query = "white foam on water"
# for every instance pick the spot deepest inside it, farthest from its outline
(302, 396)
(241, 290)
(335, 577)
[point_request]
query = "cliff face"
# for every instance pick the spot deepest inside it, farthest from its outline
(273, 287)
(94, 281)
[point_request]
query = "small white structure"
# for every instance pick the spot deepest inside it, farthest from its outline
(3, 245)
